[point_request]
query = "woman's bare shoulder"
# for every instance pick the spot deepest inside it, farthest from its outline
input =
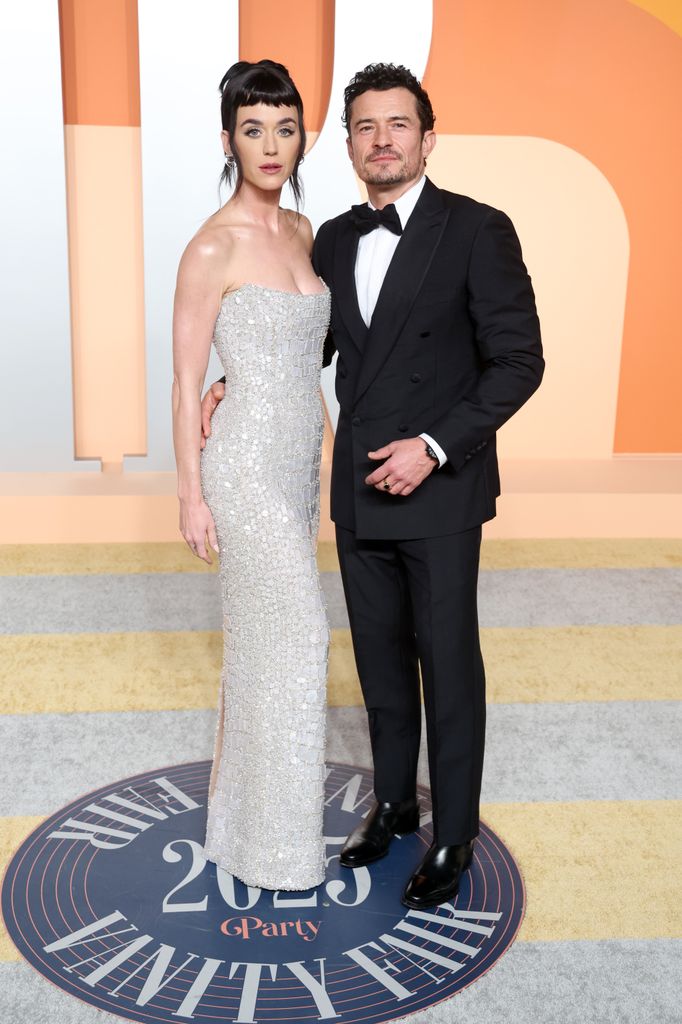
(213, 240)
(209, 253)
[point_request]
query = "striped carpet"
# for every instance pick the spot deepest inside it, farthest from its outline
(109, 663)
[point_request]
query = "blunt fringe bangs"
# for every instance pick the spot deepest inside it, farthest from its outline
(244, 85)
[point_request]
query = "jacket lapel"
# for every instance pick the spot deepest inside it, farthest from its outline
(345, 292)
(403, 281)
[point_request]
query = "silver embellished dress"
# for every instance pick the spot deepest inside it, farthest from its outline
(260, 479)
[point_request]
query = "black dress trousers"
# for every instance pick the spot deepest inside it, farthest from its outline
(413, 604)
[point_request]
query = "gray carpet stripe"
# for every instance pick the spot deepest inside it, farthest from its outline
(616, 981)
(182, 601)
(89, 750)
(583, 751)
(109, 604)
(619, 981)
(626, 750)
(581, 597)
(535, 752)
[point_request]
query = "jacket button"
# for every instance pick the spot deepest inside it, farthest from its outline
(425, 334)
(356, 421)
(403, 428)
(416, 378)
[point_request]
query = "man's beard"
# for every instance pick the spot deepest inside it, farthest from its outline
(382, 175)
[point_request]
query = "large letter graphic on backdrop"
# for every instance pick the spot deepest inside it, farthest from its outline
(36, 398)
(604, 79)
(556, 198)
(102, 144)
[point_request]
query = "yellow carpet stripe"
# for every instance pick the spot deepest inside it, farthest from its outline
(593, 870)
(88, 559)
(582, 554)
(596, 870)
(573, 663)
(76, 672)
(583, 663)
(12, 832)
(155, 671)
(65, 559)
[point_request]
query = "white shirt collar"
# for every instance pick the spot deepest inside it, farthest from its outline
(407, 201)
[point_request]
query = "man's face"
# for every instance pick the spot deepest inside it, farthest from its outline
(385, 141)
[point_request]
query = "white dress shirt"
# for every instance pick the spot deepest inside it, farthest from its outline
(375, 252)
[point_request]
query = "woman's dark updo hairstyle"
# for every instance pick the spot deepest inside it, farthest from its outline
(244, 85)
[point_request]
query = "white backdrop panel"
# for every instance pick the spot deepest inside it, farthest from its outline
(395, 31)
(184, 52)
(183, 56)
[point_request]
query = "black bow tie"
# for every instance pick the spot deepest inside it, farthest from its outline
(366, 219)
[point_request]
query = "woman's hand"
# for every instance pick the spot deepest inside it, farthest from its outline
(196, 523)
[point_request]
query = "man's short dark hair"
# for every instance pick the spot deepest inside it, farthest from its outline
(388, 76)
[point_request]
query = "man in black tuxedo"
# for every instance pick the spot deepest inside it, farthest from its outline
(433, 317)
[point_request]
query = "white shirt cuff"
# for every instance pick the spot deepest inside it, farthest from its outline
(442, 457)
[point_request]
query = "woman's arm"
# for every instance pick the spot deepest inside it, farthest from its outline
(197, 301)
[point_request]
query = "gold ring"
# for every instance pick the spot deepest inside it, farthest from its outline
(387, 486)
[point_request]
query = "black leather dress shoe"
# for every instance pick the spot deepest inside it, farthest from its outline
(372, 837)
(438, 876)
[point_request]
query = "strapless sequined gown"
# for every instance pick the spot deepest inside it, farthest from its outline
(260, 479)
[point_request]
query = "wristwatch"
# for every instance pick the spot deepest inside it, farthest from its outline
(430, 452)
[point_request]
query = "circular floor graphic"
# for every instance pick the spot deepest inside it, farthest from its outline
(112, 900)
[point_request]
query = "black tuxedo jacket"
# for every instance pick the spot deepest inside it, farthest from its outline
(453, 350)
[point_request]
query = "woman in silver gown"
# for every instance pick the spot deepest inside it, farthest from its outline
(246, 283)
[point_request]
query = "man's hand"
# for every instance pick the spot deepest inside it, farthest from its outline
(407, 465)
(209, 404)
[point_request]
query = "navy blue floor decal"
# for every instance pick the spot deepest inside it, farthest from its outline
(111, 899)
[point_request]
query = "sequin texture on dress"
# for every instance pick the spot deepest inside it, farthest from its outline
(260, 479)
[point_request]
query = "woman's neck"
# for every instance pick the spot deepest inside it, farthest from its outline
(258, 205)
